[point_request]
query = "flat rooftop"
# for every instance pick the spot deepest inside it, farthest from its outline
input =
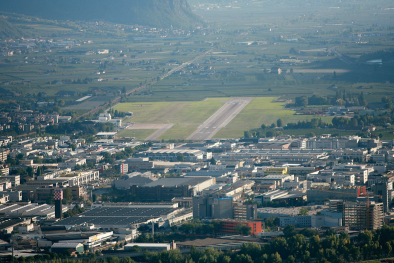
(171, 182)
(204, 242)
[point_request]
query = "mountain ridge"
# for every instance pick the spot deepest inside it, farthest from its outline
(156, 13)
(9, 31)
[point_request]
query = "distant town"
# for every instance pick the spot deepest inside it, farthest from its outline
(195, 131)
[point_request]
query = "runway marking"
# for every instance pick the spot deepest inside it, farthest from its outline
(220, 119)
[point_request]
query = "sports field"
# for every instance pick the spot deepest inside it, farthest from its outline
(187, 116)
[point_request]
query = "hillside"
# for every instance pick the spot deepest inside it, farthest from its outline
(9, 31)
(157, 13)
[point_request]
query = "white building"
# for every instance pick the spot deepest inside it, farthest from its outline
(107, 118)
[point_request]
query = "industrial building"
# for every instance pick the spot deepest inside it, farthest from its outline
(60, 248)
(151, 247)
(135, 178)
(43, 211)
(165, 189)
(212, 206)
(234, 242)
(188, 155)
(288, 212)
(89, 240)
(229, 226)
(319, 196)
(325, 218)
(244, 211)
(128, 215)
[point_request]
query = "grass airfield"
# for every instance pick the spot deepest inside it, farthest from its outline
(186, 116)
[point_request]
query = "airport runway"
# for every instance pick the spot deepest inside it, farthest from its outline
(159, 132)
(219, 119)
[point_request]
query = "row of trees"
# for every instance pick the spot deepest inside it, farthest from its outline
(72, 127)
(75, 211)
(292, 247)
(341, 98)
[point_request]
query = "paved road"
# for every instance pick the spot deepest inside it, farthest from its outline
(219, 119)
(152, 81)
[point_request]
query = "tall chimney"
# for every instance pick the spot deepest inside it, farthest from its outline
(58, 196)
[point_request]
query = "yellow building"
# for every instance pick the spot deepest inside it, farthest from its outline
(276, 170)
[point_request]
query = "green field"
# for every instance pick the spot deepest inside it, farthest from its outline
(261, 110)
(179, 131)
(138, 134)
(187, 116)
(178, 112)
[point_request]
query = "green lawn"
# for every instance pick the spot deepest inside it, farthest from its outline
(179, 132)
(188, 115)
(179, 112)
(250, 117)
(261, 110)
(139, 134)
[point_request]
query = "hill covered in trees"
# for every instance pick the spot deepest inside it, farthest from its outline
(9, 31)
(156, 13)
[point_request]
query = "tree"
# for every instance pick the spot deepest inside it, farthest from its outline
(275, 258)
(180, 158)
(68, 196)
(124, 90)
(30, 171)
(291, 259)
(94, 197)
(303, 212)
(243, 229)
(301, 101)
(243, 259)
(264, 126)
(279, 123)
(310, 135)
(289, 231)
(50, 200)
(247, 134)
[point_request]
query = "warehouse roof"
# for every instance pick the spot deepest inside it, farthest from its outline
(70, 236)
(171, 182)
(128, 212)
(163, 245)
(103, 220)
(66, 245)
